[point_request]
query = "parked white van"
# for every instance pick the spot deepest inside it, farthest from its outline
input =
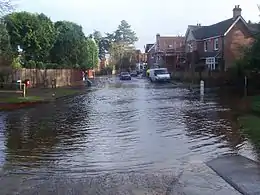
(159, 74)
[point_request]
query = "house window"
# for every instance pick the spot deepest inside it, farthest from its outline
(215, 44)
(205, 46)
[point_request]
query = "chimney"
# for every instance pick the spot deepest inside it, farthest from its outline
(157, 41)
(157, 36)
(236, 11)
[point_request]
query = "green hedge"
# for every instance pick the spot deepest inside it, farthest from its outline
(42, 65)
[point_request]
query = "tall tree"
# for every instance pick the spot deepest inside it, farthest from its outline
(97, 36)
(125, 34)
(122, 41)
(68, 47)
(5, 47)
(102, 43)
(92, 54)
(33, 33)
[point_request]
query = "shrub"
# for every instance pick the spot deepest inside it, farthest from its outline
(40, 65)
(30, 64)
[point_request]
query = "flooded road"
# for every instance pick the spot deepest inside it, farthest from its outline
(117, 134)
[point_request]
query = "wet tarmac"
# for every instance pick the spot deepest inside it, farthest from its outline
(121, 137)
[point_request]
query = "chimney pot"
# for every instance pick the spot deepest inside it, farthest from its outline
(236, 11)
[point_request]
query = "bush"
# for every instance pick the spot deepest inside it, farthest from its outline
(16, 63)
(51, 65)
(30, 64)
(40, 65)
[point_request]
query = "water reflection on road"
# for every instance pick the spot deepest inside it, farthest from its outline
(118, 127)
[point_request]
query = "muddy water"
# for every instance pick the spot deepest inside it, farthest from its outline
(117, 134)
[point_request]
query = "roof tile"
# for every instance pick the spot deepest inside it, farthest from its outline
(217, 29)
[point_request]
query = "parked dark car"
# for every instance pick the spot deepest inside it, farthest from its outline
(134, 73)
(125, 76)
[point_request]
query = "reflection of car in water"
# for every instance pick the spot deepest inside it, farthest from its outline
(125, 76)
(159, 74)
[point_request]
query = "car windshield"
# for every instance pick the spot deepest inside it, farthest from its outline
(161, 71)
(124, 73)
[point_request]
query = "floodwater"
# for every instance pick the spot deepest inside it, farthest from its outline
(118, 133)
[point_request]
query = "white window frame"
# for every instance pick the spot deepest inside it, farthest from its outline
(216, 44)
(211, 63)
(205, 46)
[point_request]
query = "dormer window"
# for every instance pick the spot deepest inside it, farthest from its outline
(216, 46)
(205, 46)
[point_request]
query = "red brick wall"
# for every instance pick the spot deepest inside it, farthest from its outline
(200, 45)
(235, 39)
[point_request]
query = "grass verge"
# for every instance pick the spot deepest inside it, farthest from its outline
(14, 100)
(39, 95)
(251, 128)
(255, 104)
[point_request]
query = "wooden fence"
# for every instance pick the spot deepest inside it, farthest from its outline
(45, 77)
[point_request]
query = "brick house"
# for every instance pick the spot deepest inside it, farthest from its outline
(217, 46)
(168, 51)
(140, 57)
(149, 51)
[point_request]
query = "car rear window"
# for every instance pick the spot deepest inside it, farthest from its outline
(162, 71)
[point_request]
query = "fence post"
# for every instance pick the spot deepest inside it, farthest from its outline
(24, 90)
(201, 87)
(245, 86)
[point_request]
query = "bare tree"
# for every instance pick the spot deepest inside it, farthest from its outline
(6, 6)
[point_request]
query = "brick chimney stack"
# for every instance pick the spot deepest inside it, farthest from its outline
(157, 42)
(236, 11)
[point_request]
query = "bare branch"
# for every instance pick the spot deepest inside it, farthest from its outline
(6, 6)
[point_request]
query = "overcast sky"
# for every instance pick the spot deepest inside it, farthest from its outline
(147, 17)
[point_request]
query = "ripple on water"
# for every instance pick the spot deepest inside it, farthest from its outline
(131, 127)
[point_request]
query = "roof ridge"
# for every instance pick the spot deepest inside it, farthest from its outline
(212, 30)
(222, 21)
(214, 24)
(176, 36)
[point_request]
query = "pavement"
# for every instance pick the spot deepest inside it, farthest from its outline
(240, 172)
(195, 179)
(198, 179)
